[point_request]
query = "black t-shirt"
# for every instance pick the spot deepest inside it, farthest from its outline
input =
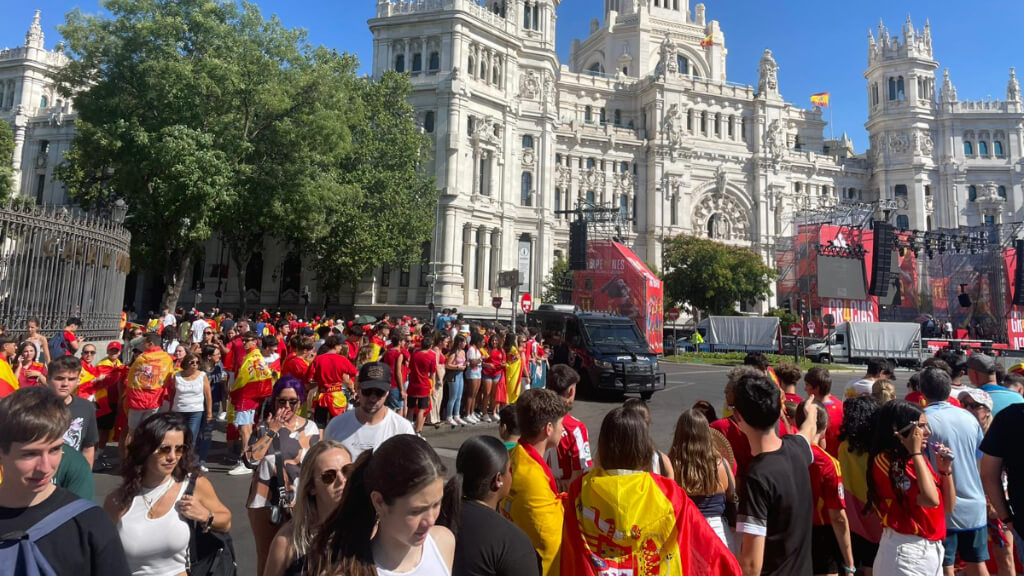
(83, 432)
(1001, 441)
(489, 545)
(86, 545)
(775, 502)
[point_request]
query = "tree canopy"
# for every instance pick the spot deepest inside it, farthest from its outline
(208, 118)
(557, 288)
(713, 277)
(6, 160)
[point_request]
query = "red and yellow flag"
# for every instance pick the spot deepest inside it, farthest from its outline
(254, 382)
(8, 383)
(820, 99)
(708, 40)
(640, 524)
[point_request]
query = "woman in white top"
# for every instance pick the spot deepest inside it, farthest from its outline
(150, 508)
(474, 371)
(386, 521)
(191, 396)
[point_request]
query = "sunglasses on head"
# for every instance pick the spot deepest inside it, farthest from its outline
(329, 476)
(287, 401)
(166, 450)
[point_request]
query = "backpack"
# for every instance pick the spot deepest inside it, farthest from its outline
(58, 345)
(19, 550)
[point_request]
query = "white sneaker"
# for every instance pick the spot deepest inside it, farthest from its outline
(485, 418)
(222, 417)
(239, 470)
(451, 422)
(459, 421)
(204, 469)
(470, 419)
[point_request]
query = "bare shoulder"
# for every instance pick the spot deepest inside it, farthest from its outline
(444, 539)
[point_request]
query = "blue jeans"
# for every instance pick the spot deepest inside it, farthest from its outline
(454, 405)
(194, 420)
(205, 440)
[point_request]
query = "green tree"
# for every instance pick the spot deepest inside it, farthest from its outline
(713, 277)
(558, 283)
(6, 160)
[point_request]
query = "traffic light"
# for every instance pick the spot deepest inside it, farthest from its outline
(802, 307)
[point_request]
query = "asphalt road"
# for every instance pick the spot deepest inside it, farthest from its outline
(686, 383)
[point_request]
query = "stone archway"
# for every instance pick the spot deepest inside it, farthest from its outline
(721, 217)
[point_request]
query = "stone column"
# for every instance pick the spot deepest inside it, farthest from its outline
(484, 254)
(468, 265)
(496, 254)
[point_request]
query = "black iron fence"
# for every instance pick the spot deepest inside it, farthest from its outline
(57, 262)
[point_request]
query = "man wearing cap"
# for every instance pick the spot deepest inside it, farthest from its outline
(371, 423)
(981, 371)
(958, 430)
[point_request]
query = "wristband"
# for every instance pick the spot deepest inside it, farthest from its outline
(209, 523)
(849, 569)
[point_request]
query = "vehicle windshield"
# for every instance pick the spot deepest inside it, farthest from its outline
(620, 334)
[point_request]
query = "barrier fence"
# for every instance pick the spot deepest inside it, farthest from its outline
(60, 261)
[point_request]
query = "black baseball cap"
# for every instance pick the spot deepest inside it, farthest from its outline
(375, 375)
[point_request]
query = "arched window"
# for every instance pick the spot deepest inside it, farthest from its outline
(900, 92)
(525, 189)
(44, 102)
(874, 94)
(972, 193)
(617, 116)
(591, 163)
(527, 141)
(603, 115)
(483, 70)
(428, 122)
(704, 123)
(968, 148)
(683, 64)
(595, 69)
(472, 64)
(982, 148)
(997, 147)
(470, 125)
(714, 225)
(400, 63)
(434, 62)
(588, 114)
(1002, 191)
(496, 76)
(291, 273)
(417, 62)
(718, 124)
(892, 88)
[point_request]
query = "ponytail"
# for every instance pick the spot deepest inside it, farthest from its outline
(451, 504)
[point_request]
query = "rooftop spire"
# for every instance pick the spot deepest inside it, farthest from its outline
(1013, 87)
(34, 37)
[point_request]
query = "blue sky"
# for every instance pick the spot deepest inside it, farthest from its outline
(819, 46)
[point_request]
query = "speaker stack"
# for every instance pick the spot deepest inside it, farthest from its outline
(881, 259)
(578, 244)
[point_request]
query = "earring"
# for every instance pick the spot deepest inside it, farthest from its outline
(500, 483)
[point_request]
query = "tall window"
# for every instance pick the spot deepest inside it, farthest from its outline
(434, 62)
(968, 148)
(718, 124)
(590, 196)
(603, 115)
(525, 189)
(527, 141)
(400, 63)
(428, 122)
(425, 259)
(40, 188)
(1001, 191)
(558, 202)
(470, 125)
(588, 114)
(990, 219)
(624, 207)
(982, 148)
(997, 147)
(673, 217)
(743, 128)
(496, 76)
(732, 126)
(927, 190)
(417, 62)
(591, 163)
(892, 88)
(972, 193)
(704, 123)
(797, 187)
(472, 65)
(385, 275)
(623, 167)
(903, 222)
(44, 102)
(874, 94)
(618, 117)
(485, 176)
(900, 92)
(683, 64)
(901, 190)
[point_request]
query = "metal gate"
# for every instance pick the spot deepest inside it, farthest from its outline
(57, 262)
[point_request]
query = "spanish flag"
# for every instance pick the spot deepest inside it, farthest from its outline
(708, 40)
(820, 99)
(253, 383)
(638, 523)
(8, 383)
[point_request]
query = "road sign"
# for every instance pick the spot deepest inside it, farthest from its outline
(810, 327)
(829, 321)
(526, 303)
(795, 329)
(496, 301)
(672, 315)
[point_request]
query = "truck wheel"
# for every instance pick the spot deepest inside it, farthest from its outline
(646, 395)
(825, 359)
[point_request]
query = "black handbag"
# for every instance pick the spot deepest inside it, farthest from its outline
(210, 553)
(281, 498)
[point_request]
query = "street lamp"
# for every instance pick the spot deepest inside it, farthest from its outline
(119, 211)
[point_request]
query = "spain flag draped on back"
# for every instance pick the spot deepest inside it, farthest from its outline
(820, 99)
(254, 382)
(8, 383)
(638, 524)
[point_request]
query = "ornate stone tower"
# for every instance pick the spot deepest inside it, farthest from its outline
(901, 122)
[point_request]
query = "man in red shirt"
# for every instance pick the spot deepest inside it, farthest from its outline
(353, 337)
(831, 550)
(297, 364)
(284, 333)
(332, 375)
(236, 349)
(71, 340)
(397, 359)
(423, 372)
(571, 458)
(729, 426)
(818, 382)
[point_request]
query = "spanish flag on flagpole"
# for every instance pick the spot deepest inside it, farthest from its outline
(708, 40)
(820, 99)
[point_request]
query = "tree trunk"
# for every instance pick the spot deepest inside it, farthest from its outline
(175, 269)
(241, 264)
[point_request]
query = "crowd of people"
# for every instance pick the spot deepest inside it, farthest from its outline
(327, 417)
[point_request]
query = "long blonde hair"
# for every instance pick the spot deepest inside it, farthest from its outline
(693, 454)
(305, 516)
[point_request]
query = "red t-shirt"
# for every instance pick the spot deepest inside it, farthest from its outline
(327, 371)
(904, 515)
(296, 366)
(834, 407)
(916, 397)
(69, 339)
(391, 359)
(236, 353)
(739, 443)
(492, 364)
(351, 350)
(826, 486)
(573, 451)
(421, 371)
(282, 348)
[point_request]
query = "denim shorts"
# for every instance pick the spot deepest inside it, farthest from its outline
(245, 417)
(971, 544)
(394, 400)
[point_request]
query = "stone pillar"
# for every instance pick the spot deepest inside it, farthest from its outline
(468, 264)
(496, 254)
(484, 254)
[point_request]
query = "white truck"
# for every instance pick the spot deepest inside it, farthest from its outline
(856, 342)
(740, 333)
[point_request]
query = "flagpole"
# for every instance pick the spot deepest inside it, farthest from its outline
(831, 126)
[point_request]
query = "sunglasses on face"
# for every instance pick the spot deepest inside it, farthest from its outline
(166, 450)
(88, 352)
(207, 333)
(373, 393)
(192, 363)
(329, 476)
(287, 401)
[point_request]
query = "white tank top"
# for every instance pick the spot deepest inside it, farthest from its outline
(154, 546)
(431, 563)
(188, 394)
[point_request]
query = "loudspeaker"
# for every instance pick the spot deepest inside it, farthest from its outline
(1018, 276)
(881, 259)
(964, 299)
(578, 244)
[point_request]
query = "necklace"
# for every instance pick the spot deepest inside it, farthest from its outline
(152, 496)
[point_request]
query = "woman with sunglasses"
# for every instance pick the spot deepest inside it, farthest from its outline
(150, 507)
(191, 396)
(296, 436)
(910, 498)
(322, 480)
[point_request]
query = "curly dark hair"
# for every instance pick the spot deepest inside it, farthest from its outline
(857, 427)
(892, 417)
(144, 442)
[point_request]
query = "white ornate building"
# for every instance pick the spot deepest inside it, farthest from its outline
(641, 118)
